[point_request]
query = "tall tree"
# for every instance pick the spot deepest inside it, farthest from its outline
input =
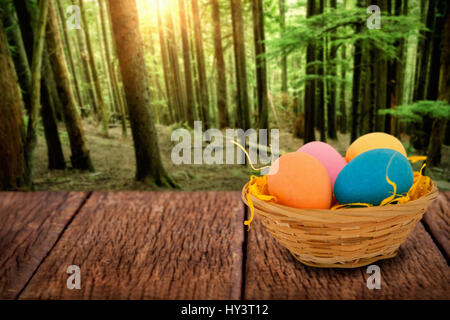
(191, 32)
(203, 82)
(125, 25)
(97, 85)
(80, 157)
(356, 80)
(242, 114)
(310, 88)
(261, 64)
(380, 77)
(342, 118)
(284, 76)
(428, 72)
(221, 78)
(342, 93)
(111, 74)
(35, 89)
(172, 49)
(419, 51)
(389, 125)
(12, 161)
(190, 96)
(54, 150)
(401, 8)
(165, 63)
(87, 70)
(69, 50)
(432, 91)
(440, 56)
(422, 67)
(331, 110)
(320, 82)
(19, 54)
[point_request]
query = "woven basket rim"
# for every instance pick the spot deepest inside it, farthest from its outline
(388, 210)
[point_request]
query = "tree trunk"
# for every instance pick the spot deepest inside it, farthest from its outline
(190, 96)
(321, 103)
(55, 155)
(401, 64)
(432, 90)
(35, 90)
(112, 77)
(19, 55)
(420, 137)
(54, 149)
(284, 82)
(104, 75)
(310, 87)
(12, 161)
(191, 38)
(97, 86)
(438, 131)
(221, 79)
(331, 111)
(172, 49)
(423, 68)
(367, 106)
(342, 98)
(419, 52)
(125, 25)
(69, 52)
(436, 51)
(242, 114)
(86, 70)
(167, 72)
(356, 81)
(261, 64)
(80, 154)
(201, 64)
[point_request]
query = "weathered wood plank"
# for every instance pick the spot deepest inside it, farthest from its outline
(30, 224)
(149, 245)
(437, 219)
(418, 272)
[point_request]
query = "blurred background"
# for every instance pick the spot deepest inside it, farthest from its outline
(92, 90)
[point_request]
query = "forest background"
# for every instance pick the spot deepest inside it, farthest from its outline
(91, 90)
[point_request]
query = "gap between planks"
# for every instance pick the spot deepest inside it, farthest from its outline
(86, 198)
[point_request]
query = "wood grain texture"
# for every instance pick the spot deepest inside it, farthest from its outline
(437, 220)
(149, 245)
(30, 224)
(418, 272)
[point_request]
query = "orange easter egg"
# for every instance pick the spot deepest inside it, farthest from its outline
(299, 180)
(375, 140)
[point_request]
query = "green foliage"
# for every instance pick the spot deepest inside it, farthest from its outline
(416, 111)
(339, 26)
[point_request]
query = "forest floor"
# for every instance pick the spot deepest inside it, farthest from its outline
(114, 161)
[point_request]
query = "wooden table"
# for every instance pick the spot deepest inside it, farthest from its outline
(186, 245)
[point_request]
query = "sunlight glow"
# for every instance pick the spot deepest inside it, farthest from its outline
(152, 5)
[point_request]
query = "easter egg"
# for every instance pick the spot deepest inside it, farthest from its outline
(299, 180)
(328, 156)
(363, 180)
(375, 140)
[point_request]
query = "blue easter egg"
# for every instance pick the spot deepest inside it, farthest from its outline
(363, 180)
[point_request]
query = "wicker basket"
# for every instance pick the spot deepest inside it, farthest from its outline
(342, 238)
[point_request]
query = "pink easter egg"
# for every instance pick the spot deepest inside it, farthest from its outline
(328, 156)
